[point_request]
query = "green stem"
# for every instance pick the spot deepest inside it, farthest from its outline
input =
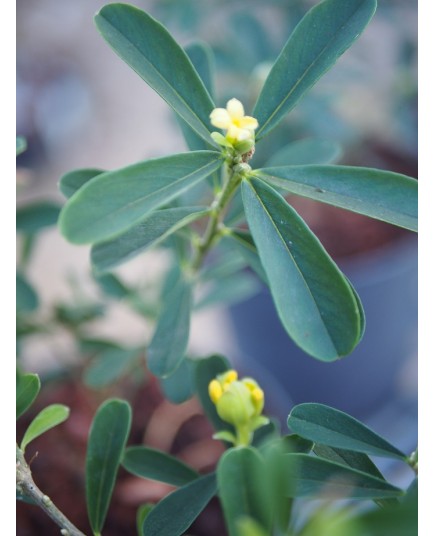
(27, 487)
(213, 232)
(244, 436)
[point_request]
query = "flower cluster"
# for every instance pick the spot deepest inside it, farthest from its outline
(239, 403)
(240, 128)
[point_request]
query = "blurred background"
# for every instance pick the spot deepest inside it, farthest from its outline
(79, 105)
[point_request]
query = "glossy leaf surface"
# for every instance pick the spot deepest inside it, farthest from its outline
(107, 438)
(320, 38)
(175, 513)
(309, 476)
(115, 201)
(146, 46)
(314, 301)
(386, 196)
(48, 418)
(157, 465)
(28, 386)
(334, 428)
(149, 232)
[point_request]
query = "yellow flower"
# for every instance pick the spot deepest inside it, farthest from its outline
(239, 127)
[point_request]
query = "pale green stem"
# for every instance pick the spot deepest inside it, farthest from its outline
(27, 487)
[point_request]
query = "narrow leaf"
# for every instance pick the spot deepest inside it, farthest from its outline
(157, 465)
(314, 301)
(305, 152)
(107, 438)
(35, 216)
(115, 201)
(386, 196)
(241, 477)
(232, 289)
(244, 242)
(145, 45)
(310, 476)
(175, 513)
(169, 343)
(334, 428)
(112, 286)
(179, 386)
(152, 230)
(74, 180)
(320, 38)
(28, 386)
(48, 418)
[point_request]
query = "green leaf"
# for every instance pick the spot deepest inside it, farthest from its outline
(334, 428)
(315, 303)
(78, 314)
(246, 526)
(142, 514)
(243, 241)
(305, 152)
(157, 465)
(169, 342)
(21, 143)
(152, 230)
(241, 478)
(115, 201)
(27, 299)
(179, 386)
(386, 196)
(207, 369)
(145, 45)
(74, 180)
(112, 286)
(310, 476)
(232, 289)
(175, 513)
(320, 38)
(110, 365)
(108, 435)
(48, 418)
(34, 217)
(28, 386)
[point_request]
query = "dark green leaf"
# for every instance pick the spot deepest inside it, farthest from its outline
(74, 180)
(206, 370)
(27, 299)
(110, 365)
(157, 465)
(142, 514)
(28, 386)
(149, 232)
(314, 301)
(241, 477)
(146, 46)
(48, 418)
(21, 144)
(232, 289)
(175, 513)
(179, 386)
(107, 438)
(34, 217)
(115, 201)
(244, 242)
(169, 342)
(379, 194)
(334, 428)
(320, 38)
(310, 476)
(225, 266)
(307, 151)
(78, 314)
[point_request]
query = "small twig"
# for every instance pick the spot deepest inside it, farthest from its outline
(28, 488)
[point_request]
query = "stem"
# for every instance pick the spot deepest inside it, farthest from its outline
(27, 487)
(212, 232)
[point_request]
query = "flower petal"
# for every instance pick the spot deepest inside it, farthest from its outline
(248, 122)
(235, 109)
(220, 118)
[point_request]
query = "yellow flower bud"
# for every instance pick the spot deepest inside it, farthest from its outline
(239, 127)
(215, 390)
